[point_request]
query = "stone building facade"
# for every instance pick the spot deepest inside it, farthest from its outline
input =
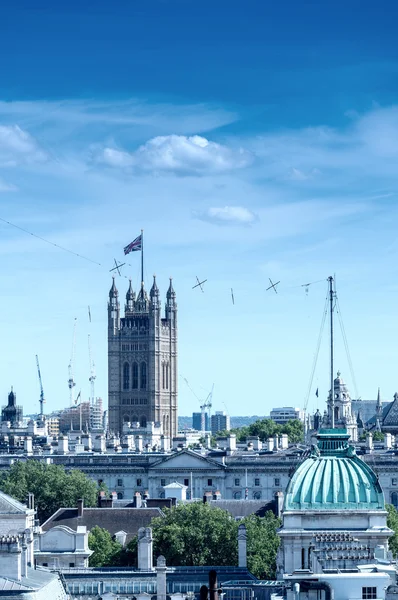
(142, 360)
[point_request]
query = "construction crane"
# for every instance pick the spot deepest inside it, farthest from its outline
(71, 382)
(42, 401)
(206, 406)
(93, 376)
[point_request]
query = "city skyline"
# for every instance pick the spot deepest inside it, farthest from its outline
(247, 146)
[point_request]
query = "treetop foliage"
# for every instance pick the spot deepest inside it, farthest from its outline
(267, 428)
(53, 487)
(198, 534)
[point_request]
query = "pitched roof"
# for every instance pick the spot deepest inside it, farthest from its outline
(111, 519)
(244, 508)
(9, 505)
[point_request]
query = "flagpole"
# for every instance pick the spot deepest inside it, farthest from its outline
(142, 256)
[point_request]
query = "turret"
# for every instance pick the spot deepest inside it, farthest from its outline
(171, 304)
(130, 299)
(154, 295)
(11, 398)
(113, 308)
(379, 406)
(142, 302)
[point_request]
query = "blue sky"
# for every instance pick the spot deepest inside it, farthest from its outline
(249, 140)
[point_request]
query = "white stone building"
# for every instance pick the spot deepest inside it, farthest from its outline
(334, 536)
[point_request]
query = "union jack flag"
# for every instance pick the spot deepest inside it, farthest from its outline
(134, 246)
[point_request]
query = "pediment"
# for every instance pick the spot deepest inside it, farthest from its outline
(187, 461)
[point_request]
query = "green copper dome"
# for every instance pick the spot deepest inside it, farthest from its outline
(334, 478)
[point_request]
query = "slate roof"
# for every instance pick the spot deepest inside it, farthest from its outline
(111, 519)
(244, 508)
(9, 505)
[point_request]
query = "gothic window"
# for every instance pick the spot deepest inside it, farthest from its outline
(134, 419)
(143, 375)
(126, 418)
(163, 376)
(126, 376)
(167, 375)
(135, 376)
(143, 422)
(394, 499)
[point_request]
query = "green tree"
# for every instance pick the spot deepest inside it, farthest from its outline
(262, 544)
(392, 523)
(195, 534)
(200, 535)
(107, 551)
(51, 485)
(267, 428)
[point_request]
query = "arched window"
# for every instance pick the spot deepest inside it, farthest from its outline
(394, 499)
(135, 376)
(167, 375)
(163, 376)
(126, 418)
(134, 419)
(256, 495)
(237, 495)
(336, 413)
(119, 496)
(126, 376)
(143, 376)
(143, 422)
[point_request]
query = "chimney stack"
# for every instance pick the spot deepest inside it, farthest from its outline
(145, 549)
(242, 546)
(161, 578)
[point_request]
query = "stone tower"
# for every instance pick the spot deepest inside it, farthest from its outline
(142, 359)
(343, 417)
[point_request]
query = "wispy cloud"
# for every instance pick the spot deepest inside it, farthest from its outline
(18, 147)
(227, 215)
(178, 154)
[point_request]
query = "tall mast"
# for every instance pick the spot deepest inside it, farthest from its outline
(142, 256)
(330, 279)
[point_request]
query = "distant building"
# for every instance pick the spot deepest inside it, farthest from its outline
(82, 417)
(142, 359)
(220, 422)
(12, 413)
(53, 426)
(197, 421)
(286, 413)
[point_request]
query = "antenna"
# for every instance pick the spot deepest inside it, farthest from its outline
(331, 297)
(71, 382)
(91, 379)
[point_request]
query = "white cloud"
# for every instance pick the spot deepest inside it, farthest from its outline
(194, 155)
(298, 175)
(18, 147)
(228, 215)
